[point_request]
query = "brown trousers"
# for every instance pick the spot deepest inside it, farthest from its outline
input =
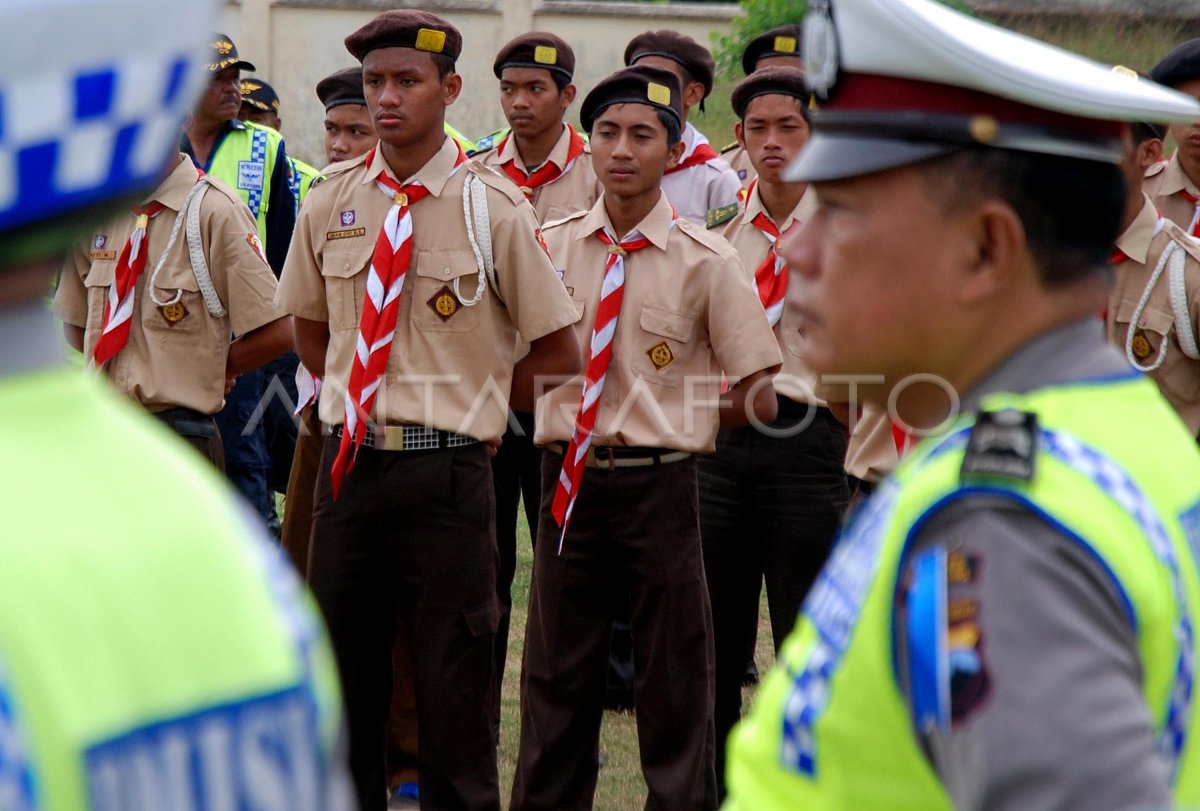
(402, 738)
(413, 532)
(634, 528)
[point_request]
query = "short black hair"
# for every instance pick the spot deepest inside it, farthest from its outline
(1144, 131)
(1071, 208)
(674, 132)
(445, 64)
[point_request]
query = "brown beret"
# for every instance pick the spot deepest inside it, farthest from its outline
(406, 28)
(537, 49)
(782, 41)
(1179, 66)
(694, 57)
(770, 81)
(343, 87)
(641, 84)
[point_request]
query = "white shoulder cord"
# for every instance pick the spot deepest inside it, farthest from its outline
(190, 212)
(1175, 256)
(479, 233)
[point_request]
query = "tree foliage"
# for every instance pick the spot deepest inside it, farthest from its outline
(757, 16)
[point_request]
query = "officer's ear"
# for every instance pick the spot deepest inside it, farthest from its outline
(568, 95)
(675, 154)
(996, 246)
(737, 133)
(451, 87)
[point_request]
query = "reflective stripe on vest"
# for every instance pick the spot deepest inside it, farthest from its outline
(831, 727)
(245, 160)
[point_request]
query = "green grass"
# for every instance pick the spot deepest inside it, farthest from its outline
(620, 785)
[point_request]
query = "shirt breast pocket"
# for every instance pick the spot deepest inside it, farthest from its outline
(183, 312)
(344, 269)
(436, 307)
(97, 281)
(1177, 376)
(668, 337)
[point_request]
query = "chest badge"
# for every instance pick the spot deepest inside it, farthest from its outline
(444, 303)
(173, 313)
(1141, 346)
(660, 355)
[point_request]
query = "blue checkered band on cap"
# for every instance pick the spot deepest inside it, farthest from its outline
(18, 791)
(100, 119)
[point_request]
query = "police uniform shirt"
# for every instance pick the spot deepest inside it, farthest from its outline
(450, 365)
(698, 189)
(688, 312)
(1142, 245)
(175, 355)
(795, 381)
(576, 190)
(1165, 183)
(739, 161)
(1033, 614)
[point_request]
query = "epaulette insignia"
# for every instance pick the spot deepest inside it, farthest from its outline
(1002, 443)
(716, 216)
(730, 148)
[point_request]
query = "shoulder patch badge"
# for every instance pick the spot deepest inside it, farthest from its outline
(1002, 443)
(717, 216)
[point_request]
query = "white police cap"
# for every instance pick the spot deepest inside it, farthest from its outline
(900, 81)
(92, 95)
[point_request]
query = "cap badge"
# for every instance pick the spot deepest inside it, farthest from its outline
(1128, 73)
(248, 87)
(820, 49)
(658, 93)
(430, 39)
(785, 45)
(660, 355)
(984, 128)
(223, 47)
(545, 55)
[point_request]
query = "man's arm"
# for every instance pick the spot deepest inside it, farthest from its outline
(750, 402)
(555, 356)
(259, 346)
(311, 339)
(74, 336)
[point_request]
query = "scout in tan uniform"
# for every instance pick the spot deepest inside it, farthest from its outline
(779, 48)
(871, 452)
(166, 342)
(700, 180)
(771, 500)
(647, 286)
(1154, 306)
(1174, 186)
(348, 128)
(552, 165)
(415, 336)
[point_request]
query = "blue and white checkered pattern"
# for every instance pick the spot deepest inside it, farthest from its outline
(258, 154)
(69, 139)
(18, 792)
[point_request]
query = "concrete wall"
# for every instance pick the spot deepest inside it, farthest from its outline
(294, 43)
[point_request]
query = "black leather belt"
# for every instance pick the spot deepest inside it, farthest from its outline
(614, 456)
(188, 422)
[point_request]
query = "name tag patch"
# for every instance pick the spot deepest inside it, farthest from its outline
(346, 233)
(103, 255)
(250, 175)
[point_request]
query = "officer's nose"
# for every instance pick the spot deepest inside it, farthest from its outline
(798, 247)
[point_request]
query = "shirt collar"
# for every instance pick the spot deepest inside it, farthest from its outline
(433, 175)
(803, 210)
(176, 185)
(29, 338)
(1175, 180)
(1135, 242)
(656, 226)
(558, 155)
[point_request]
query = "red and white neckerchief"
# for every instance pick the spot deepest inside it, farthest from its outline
(118, 307)
(308, 389)
(771, 276)
(903, 439)
(548, 172)
(698, 151)
(1193, 228)
(604, 330)
(381, 309)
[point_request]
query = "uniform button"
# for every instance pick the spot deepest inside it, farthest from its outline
(446, 273)
(347, 267)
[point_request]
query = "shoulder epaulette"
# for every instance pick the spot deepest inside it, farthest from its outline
(709, 239)
(496, 180)
(718, 216)
(730, 148)
(343, 166)
(555, 223)
(1156, 169)
(1003, 444)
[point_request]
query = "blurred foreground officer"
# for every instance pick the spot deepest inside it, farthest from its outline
(664, 306)
(415, 332)
(772, 496)
(154, 653)
(1010, 621)
(260, 105)
(1174, 187)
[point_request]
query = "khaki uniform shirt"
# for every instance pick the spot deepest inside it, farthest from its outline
(175, 356)
(698, 189)
(796, 381)
(1164, 182)
(1178, 377)
(871, 453)
(688, 312)
(576, 190)
(450, 365)
(739, 161)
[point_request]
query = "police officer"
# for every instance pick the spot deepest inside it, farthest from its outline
(777, 48)
(260, 105)
(699, 181)
(154, 651)
(772, 496)
(1027, 564)
(663, 306)
(1154, 304)
(1175, 186)
(157, 318)
(385, 260)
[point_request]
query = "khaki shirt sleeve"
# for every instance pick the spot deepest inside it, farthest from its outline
(249, 285)
(739, 331)
(536, 299)
(301, 288)
(71, 299)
